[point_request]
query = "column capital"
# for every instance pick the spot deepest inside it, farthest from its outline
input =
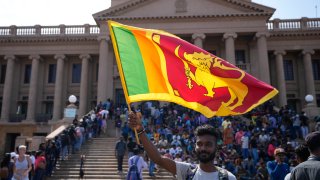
(84, 56)
(59, 56)
(106, 38)
(10, 57)
(34, 56)
(307, 51)
(261, 34)
(230, 34)
(280, 52)
(198, 36)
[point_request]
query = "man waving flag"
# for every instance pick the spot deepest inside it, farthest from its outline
(156, 65)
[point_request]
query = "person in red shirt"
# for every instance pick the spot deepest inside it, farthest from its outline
(271, 149)
(40, 166)
(228, 136)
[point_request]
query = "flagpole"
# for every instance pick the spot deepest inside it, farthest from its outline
(135, 129)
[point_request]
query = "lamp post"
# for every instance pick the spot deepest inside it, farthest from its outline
(311, 110)
(309, 99)
(72, 99)
(71, 110)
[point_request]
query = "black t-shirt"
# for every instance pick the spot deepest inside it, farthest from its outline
(253, 143)
(304, 120)
(71, 134)
(131, 145)
(121, 148)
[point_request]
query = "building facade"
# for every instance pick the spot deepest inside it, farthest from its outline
(40, 66)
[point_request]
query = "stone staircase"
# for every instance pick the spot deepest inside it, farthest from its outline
(100, 162)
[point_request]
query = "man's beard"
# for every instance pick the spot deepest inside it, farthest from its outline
(205, 157)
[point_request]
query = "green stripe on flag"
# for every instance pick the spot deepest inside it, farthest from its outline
(131, 61)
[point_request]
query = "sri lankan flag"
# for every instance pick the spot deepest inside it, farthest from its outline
(156, 65)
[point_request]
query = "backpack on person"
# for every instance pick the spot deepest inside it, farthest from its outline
(78, 132)
(222, 173)
(133, 173)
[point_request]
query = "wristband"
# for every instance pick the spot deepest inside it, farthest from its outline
(140, 132)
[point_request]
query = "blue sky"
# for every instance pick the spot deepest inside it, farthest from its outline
(78, 12)
(292, 9)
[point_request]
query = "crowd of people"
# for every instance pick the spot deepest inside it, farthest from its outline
(37, 165)
(249, 146)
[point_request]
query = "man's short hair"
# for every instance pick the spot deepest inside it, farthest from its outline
(136, 151)
(302, 152)
(312, 141)
(206, 130)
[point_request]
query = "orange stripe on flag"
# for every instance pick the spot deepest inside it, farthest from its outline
(152, 63)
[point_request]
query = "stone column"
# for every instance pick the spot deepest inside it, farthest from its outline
(7, 91)
(33, 88)
(84, 84)
(57, 104)
(310, 88)
(264, 74)
(103, 68)
(110, 73)
(281, 80)
(229, 44)
(198, 39)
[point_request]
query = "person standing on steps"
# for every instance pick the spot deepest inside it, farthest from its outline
(22, 164)
(137, 160)
(206, 147)
(120, 151)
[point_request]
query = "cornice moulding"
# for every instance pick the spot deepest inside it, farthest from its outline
(185, 17)
(294, 33)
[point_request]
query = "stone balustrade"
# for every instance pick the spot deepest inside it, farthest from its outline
(273, 25)
(294, 24)
(38, 30)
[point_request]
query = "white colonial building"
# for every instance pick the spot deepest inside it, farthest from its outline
(40, 66)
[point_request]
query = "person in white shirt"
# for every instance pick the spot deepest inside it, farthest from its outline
(173, 151)
(245, 145)
(226, 122)
(263, 138)
(141, 164)
(206, 147)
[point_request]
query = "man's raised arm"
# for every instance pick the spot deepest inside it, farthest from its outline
(151, 150)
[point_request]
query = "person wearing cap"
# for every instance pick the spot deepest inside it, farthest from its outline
(309, 169)
(278, 169)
